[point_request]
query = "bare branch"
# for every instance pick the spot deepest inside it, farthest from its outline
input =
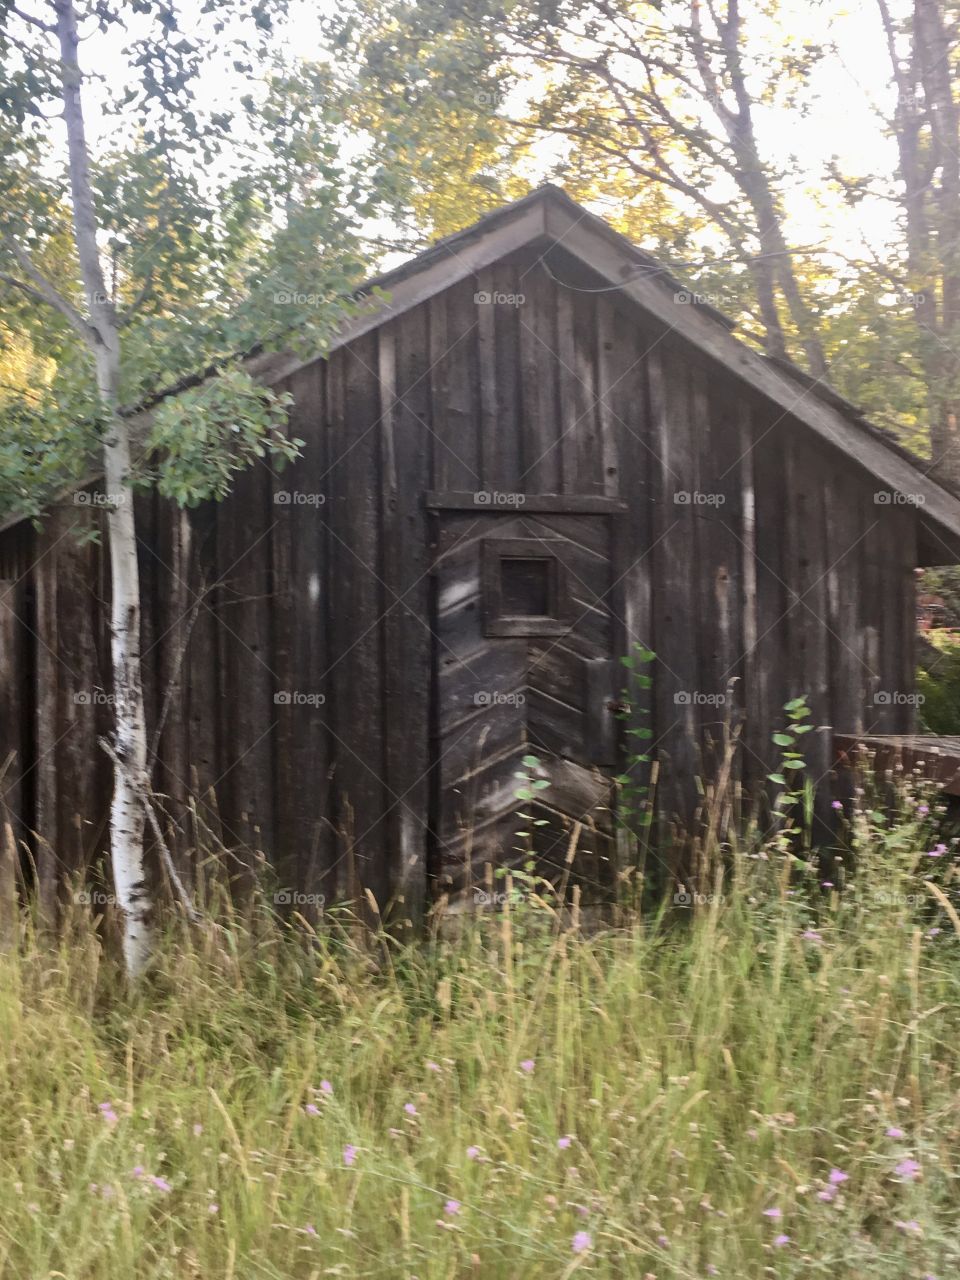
(31, 21)
(42, 290)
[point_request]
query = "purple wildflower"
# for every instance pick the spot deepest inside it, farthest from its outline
(781, 1240)
(410, 1109)
(908, 1169)
(312, 1109)
(773, 1213)
(473, 1153)
(451, 1208)
(160, 1183)
(326, 1086)
(837, 804)
(108, 1113)
(527, 1065)
(137, 1171)
(563, 1143)
(812, 935)
(911, 1226)
(837, 1176)
(582, 1241)
(349, 1154)
(894, 1132)
(434, 1066)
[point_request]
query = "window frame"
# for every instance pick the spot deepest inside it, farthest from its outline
(497, 623)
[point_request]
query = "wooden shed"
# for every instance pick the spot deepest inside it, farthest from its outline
(539, 452)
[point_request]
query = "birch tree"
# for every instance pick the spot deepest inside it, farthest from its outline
(178, 268)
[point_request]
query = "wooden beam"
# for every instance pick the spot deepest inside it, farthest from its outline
(484, 502)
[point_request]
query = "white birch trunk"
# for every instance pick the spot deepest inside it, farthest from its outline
(127, 814)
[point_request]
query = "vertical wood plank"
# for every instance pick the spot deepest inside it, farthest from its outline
(304, 831)
(244, 527)
(47, 677)
(744, 472)
(356, 604)
(611, 374)
(674, 588)
(538, 383)
(569, 395)
(176, 607)
(502, 462)
(771, 670)
(716, 517)
(455, 387)
(204, 706)
(406, 408)
(15, 695)
(624, 391)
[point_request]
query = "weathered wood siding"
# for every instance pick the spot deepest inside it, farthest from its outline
(287, 632)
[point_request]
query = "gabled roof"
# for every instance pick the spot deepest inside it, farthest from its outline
(549, 216)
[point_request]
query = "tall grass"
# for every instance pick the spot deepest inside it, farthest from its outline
(767, 1086)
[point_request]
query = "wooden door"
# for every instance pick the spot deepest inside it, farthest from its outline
(524, 671)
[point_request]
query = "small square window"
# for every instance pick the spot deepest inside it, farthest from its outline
(524, 588)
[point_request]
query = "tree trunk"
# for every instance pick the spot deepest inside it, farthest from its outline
(755, 185)
(127, 814)
(932, 45)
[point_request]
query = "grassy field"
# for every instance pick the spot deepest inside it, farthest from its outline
(766, 1086)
